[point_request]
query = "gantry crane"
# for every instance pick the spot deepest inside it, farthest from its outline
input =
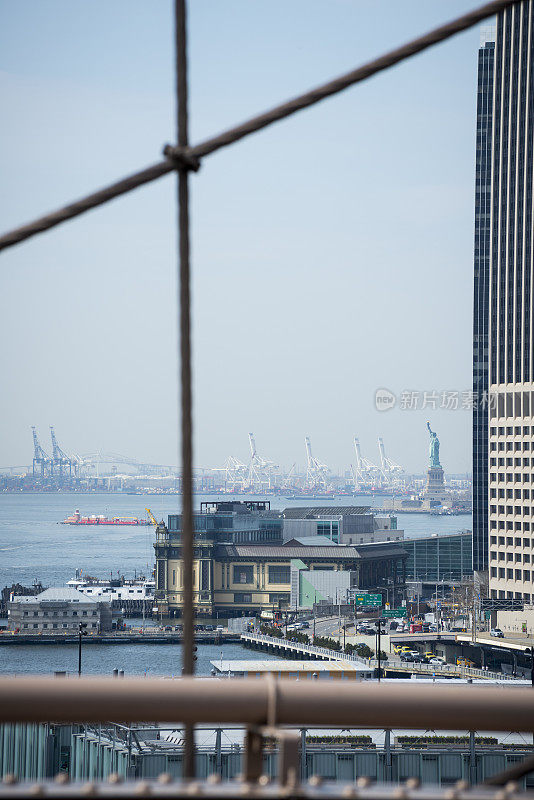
(260, 470)
(390, 470)
(316, 473)
(60, 459)
(365, 473)
(40, 457)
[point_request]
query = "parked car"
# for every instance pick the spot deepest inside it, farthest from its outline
(436, 660)
(417, 658)
(209, 627)
(219, 629)
(497, 633)
(407, 657)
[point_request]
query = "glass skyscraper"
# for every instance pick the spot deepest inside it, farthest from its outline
(486, 61)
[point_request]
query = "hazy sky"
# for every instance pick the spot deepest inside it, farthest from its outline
(332, 253)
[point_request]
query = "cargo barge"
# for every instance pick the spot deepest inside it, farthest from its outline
(100, 519)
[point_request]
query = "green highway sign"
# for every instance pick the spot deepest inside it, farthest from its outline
(394, 612)
(371, 600)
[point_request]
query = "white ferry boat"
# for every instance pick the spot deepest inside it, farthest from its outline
(125, 594)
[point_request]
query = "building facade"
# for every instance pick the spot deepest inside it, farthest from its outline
(341, 524)
(232, 578)
(511, 386)
(58, 610)
(486, 60)
(442, 559)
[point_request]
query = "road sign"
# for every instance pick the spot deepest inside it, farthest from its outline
(394, 612)
(369, 600)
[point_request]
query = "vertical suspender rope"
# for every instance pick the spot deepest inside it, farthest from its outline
(185, 376)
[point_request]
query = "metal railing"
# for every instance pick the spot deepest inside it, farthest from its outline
(332, 655)
(452, 670)
(266, 701)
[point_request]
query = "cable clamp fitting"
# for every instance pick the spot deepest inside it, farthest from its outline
(182, 157)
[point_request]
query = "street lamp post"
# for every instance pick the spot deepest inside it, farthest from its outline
(531, 651)
(81, 632)
(378, 653)
(338, 598)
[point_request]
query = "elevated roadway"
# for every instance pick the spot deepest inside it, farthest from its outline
(394, 667)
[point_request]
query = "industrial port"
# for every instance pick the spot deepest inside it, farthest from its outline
(56, 469)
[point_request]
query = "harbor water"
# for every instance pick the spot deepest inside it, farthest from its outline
(35, 546)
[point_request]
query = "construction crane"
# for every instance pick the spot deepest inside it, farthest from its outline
(260, 470)
(40, 457)
(60, 459)
(390, 470)
(151, 517)
(316, 473)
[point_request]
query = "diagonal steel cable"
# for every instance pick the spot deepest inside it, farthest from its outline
(187, 157)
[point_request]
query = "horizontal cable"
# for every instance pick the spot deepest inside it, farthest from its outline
(180, 157)
(346, 704)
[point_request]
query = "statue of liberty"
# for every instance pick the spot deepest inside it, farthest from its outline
(434, 448)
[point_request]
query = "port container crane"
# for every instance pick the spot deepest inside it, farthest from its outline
(365, 472)
(260, 470)
(390, 470)
(40, 458)
(60, 459)
(316, 473)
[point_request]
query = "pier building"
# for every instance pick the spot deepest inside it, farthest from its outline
(242, 567)
(58, 610)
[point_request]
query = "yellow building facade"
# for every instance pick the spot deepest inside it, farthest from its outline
(232, 579)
